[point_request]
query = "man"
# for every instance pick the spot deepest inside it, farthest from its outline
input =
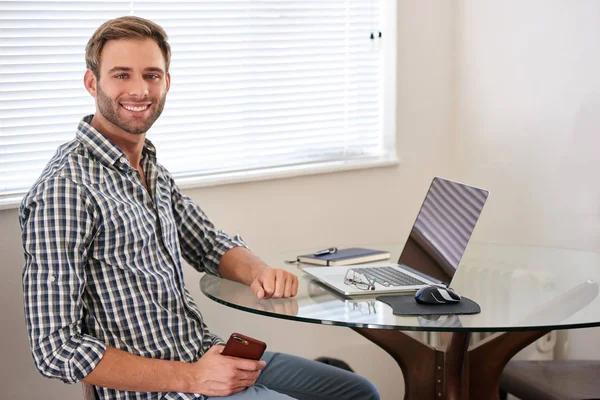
(104, 231)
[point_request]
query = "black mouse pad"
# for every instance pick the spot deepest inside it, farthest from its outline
(406, 305)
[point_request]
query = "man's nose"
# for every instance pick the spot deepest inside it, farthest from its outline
(138, 87)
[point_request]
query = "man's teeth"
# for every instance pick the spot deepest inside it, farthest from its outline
(132, 108)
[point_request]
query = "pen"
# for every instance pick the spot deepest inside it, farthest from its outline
(330, 250)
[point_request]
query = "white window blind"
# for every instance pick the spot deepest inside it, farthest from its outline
(255, 84)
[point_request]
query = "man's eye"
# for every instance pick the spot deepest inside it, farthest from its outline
(152, 76)
(121, 76)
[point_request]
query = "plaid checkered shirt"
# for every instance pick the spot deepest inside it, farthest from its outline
(103, 262)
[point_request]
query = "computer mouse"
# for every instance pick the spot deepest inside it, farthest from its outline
(436, 295)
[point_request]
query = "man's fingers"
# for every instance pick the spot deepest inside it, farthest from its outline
(217, 348)
(257, 288)
(248, 376)
(295, 286)
(280, 281)
(247, 383)
(238, 387)
(276, 284)
(286, 284)
(268, 283)
(289, 286)
(228, 390)
(244, 365)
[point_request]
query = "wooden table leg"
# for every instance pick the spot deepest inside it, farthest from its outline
(416, 360)
(487, 360)
(454, 366)
(453, 373)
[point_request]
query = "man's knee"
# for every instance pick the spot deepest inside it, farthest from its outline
(365, 390)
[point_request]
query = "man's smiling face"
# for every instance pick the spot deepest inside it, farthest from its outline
(132, 85)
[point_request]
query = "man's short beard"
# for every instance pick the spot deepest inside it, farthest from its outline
(109, 109)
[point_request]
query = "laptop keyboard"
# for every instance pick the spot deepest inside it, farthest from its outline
(388, 276)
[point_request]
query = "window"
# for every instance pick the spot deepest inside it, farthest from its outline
(257, 86)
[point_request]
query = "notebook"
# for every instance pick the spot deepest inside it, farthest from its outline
(432, 252)
(353, 255)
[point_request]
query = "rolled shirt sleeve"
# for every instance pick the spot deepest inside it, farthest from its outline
(202, 245)
(57, 225)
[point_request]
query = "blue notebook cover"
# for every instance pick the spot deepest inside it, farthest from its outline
(353, 255)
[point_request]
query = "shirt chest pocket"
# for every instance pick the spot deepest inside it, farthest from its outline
(129, 240)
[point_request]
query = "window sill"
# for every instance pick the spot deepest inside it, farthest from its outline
(13, 201)
(284, 172)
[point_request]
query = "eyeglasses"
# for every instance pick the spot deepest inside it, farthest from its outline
(360, 281)
(363, 307)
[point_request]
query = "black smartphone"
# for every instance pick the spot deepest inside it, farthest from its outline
(244, 346)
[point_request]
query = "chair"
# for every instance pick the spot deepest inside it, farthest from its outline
(552, 380)
(89, 392)
(335, 363)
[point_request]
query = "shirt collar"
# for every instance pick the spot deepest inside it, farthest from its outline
(103, 148)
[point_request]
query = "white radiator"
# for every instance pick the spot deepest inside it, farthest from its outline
(553, 346)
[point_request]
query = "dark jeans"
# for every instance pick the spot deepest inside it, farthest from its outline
(288, 377)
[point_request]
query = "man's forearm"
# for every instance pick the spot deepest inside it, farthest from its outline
(241, 265)
(121, 370)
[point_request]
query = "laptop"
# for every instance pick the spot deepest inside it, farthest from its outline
(432, 252)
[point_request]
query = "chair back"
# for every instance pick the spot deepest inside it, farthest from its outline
(89, 392)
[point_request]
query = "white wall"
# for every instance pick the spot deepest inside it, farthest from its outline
(505, 95)
(370, 206)
(527, 123)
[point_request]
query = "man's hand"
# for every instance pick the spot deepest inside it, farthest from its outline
(218, 375)
(274, 283)
(241, 265)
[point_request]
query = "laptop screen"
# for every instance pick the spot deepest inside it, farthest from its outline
(443, 227)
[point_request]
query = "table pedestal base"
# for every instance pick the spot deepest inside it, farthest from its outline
(456, 372)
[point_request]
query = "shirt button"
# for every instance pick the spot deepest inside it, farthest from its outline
(52, 278)
(123, 160)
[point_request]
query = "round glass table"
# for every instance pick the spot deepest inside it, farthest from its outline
(524, 292)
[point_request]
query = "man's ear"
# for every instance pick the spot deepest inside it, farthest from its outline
(168, 81)
(90, 82)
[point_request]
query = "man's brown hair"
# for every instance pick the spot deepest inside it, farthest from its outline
(125, 28)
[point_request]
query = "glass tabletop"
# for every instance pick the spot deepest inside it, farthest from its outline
(518, 288)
